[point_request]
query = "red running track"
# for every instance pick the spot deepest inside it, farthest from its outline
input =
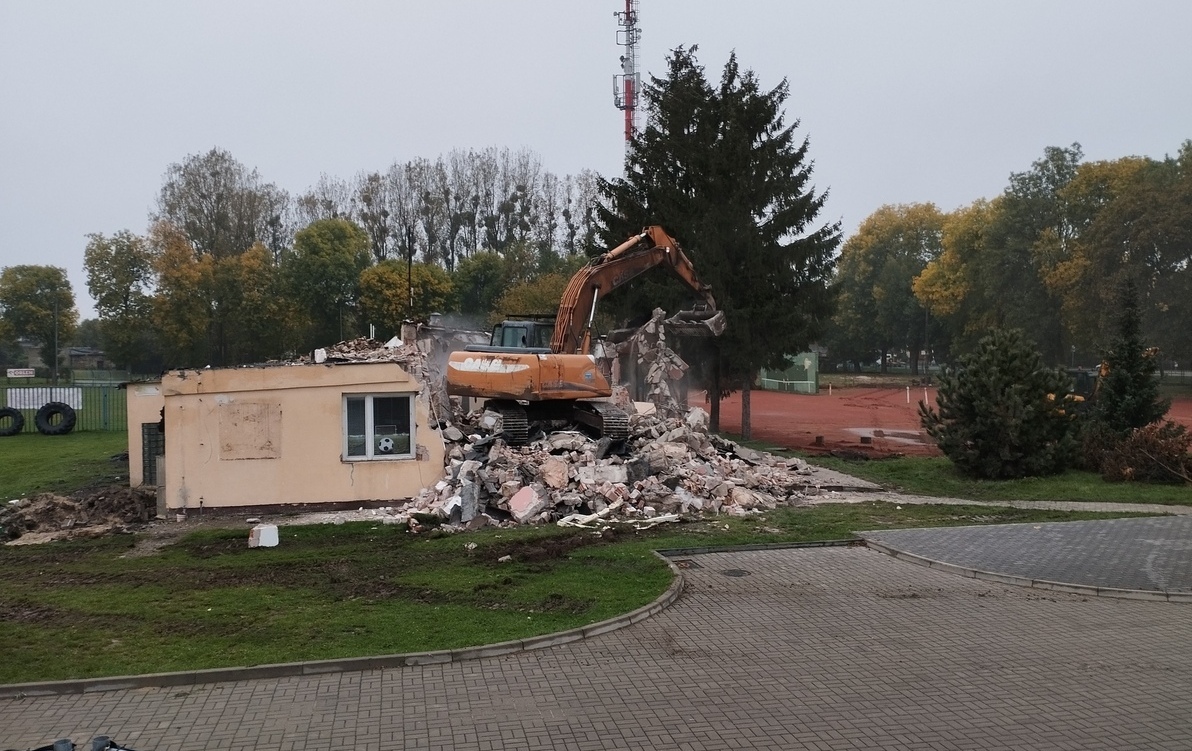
(847, 416)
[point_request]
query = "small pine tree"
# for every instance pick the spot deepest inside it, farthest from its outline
(1002, 413)
(1128, 397)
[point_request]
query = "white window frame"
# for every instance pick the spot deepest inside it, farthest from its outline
(370, 426)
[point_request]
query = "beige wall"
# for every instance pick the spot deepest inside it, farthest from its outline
(144, 405)
(274, 435)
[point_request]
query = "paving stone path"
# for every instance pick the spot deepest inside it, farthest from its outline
(1151, 555)
(830, 648)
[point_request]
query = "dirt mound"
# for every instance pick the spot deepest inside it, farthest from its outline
(86, 513)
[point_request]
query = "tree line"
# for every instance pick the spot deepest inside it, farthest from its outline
(1046, 256)
(234, 270)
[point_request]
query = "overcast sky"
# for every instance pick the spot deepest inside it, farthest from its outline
(904, 101)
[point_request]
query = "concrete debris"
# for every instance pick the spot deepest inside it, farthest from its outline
(670, 468)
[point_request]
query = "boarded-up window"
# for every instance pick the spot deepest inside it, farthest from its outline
(249, 430)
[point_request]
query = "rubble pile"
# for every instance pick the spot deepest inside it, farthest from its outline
(363, 349)
(668, 468)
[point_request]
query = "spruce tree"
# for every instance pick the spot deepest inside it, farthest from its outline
(724, 172)
(1128, 395)
(1002, 413)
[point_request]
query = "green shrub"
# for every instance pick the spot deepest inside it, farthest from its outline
(1002, 413)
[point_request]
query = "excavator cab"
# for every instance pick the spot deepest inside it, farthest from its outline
(531, 334)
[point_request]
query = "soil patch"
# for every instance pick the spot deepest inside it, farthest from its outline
(86, 513)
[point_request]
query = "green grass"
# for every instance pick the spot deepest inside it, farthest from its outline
(78, 609)
(936, 476)
(34, 463)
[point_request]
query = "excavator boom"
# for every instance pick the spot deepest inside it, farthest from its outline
(650, 248)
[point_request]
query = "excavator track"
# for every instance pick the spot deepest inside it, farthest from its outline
(514, 421)
(607, 419)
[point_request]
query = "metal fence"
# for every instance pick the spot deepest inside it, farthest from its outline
(801, 376)
(98, 407)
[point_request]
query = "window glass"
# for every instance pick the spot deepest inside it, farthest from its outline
(378, 427)
(391, 420)
(513, 336)
(356, 427)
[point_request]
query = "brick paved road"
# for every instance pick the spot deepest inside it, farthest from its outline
(838, 648)
(1153, 554)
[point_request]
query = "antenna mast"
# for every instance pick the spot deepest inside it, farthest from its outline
(626, 85)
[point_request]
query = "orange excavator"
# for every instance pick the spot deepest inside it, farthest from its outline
(535, 372)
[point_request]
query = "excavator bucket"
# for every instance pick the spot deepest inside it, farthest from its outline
(696, 323)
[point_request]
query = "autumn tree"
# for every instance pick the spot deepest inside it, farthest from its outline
(221, 206)
(481, 279)
(256, 319)
(120, 277)
(997, 256)
(723, 170)
(37, 304)
(183, 309)
(877, 308)
(1138, 225)
(390, 295)
(1086, 279)
(951, 286)
(538, 296)
(323, 278)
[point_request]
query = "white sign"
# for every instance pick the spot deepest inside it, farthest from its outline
(20, 372)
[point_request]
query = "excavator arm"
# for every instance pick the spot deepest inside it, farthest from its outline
(650, 248)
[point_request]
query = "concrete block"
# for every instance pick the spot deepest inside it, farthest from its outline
(263, 536)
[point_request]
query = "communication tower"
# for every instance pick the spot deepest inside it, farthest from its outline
(627, 83)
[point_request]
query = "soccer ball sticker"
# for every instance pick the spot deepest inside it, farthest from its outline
(386, 445)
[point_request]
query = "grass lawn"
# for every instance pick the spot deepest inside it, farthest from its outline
(936, 476)
(33, 463)
(79, 609)
(83, 609)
